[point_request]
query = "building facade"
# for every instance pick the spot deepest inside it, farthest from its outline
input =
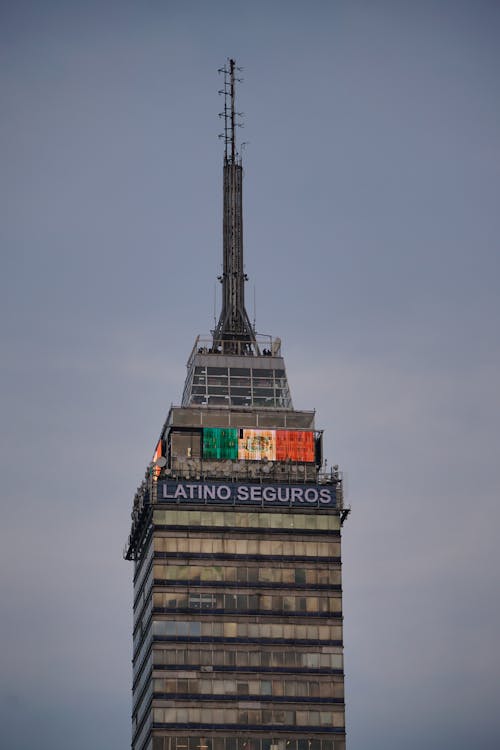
(236, 545)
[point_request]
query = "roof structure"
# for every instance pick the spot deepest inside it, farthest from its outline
(235, 367)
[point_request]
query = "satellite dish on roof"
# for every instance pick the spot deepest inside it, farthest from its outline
(161, 462)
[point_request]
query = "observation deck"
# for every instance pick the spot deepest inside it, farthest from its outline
(237, 375)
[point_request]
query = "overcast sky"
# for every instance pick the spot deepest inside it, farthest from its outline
(371, 199)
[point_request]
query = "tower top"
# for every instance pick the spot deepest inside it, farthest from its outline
(233, 333)
(229, 114)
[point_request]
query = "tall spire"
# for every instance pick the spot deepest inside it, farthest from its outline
(234, 332)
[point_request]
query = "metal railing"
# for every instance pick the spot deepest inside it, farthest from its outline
(262, 346)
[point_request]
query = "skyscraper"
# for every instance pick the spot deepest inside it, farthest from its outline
(235, 538)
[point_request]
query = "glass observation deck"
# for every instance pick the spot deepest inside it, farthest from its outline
(254, 378)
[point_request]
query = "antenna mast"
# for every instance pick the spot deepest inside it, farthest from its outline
(233, 333)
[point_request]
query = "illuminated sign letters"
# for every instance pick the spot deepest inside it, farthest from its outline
(246, 494)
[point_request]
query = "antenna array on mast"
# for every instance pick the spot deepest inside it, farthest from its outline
(230, 116)
(233, 333)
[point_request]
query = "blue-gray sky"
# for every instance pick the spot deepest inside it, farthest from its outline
(372, 222)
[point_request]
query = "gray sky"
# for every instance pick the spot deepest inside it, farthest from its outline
(371, 233)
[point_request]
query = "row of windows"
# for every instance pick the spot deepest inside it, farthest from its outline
(291, 658)
(233, 520)
(263, 389)
(140, 653)
(140, 626)
(143, 679)
(252, 717)
(264, 372)
(245, 743)
(242, 574)
(140, 739)
(322, 605)
(239, 381)
(245, 385)
(141, 568)
(141, 706)
(240, 372)
(251, 630)
(276, 547)
(278, 631)
(224, 384)
(258, 687)
(142, 593)
(280, 401)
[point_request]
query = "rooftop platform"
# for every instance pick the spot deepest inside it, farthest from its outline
(237, 373)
